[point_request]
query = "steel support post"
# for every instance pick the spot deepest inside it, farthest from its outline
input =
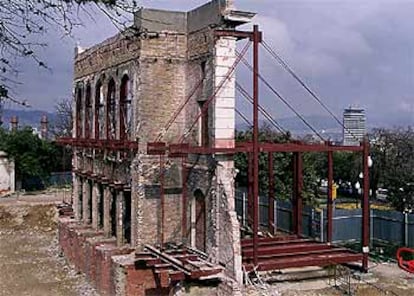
(330, 200)
(184, 200)
(162, 199)
(294, 192)
(271, 209)
(299, 199)
(365, 207)
(256, 40)
(250, 190)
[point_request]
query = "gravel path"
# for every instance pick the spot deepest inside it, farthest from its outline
(30, 261)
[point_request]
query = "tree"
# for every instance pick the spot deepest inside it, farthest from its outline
(283, 176)
(33, 157)
(64, 119)
(23, 22)
(392, 153)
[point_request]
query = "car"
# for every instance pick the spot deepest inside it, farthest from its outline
(382, 194)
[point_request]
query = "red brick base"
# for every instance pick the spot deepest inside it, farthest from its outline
(109, 268)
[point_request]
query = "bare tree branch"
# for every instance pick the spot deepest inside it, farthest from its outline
(23, 22)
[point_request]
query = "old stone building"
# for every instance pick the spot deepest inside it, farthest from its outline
(149, 84)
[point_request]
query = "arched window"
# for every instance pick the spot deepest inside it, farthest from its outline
(99, 111)
(88, 112)
(125, 114)
(111, 111)
(79, 109)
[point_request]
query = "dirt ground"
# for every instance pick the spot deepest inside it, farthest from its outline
(31, 264)
(30, 261)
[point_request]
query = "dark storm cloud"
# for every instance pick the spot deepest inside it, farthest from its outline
(350, 52)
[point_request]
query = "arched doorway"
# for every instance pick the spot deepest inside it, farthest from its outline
(200, 220)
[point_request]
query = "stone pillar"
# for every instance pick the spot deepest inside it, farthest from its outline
(225, 102)
(120, 208)
(86, 196)
(77, 190)
(107, 211)
(227, 226)
(95, 206)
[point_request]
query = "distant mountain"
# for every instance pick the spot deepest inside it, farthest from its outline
(327, 124)
(26, 117)
(295, 125)
(323, 124)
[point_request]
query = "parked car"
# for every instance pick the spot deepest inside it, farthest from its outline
(382, 194)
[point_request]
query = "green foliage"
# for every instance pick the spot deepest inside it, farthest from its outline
(33, 156)
(392, 152)
(347, 165)
(282, 162)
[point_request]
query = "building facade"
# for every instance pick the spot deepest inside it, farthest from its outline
(150, 84)
(354, 129)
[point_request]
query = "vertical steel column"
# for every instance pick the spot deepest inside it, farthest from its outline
(184, 200)
(271, 209)
(365, 207)
(330, 200)
(294, 192)
(162, 196)
(250, 190)
(299, 197)
(256, 40)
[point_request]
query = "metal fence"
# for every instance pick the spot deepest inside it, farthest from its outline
(387, 227)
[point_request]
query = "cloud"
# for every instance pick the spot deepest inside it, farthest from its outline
(349, 51)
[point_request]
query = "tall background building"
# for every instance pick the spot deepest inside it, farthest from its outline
(354, 126)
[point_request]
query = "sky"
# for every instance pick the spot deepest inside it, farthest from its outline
(358, 52)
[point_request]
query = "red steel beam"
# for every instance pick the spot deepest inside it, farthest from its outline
(307, 260)
(271, 212)
(250, 190)
(257, 38)
(330, 201)
(162, 197)
(287, 249)
(295, 212)
(234, 33)
(184, 200)
(365, 207)
(275, 243)
(299, 197)
(247, 241)
(314, 250)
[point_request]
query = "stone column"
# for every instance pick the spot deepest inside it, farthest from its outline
(225, 102)
(120, 207)
(227, 227)
(86, 196)
(77, 185)
(107, 211)
(95, 205)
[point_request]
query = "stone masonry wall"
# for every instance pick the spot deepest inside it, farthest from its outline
(164, 67)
